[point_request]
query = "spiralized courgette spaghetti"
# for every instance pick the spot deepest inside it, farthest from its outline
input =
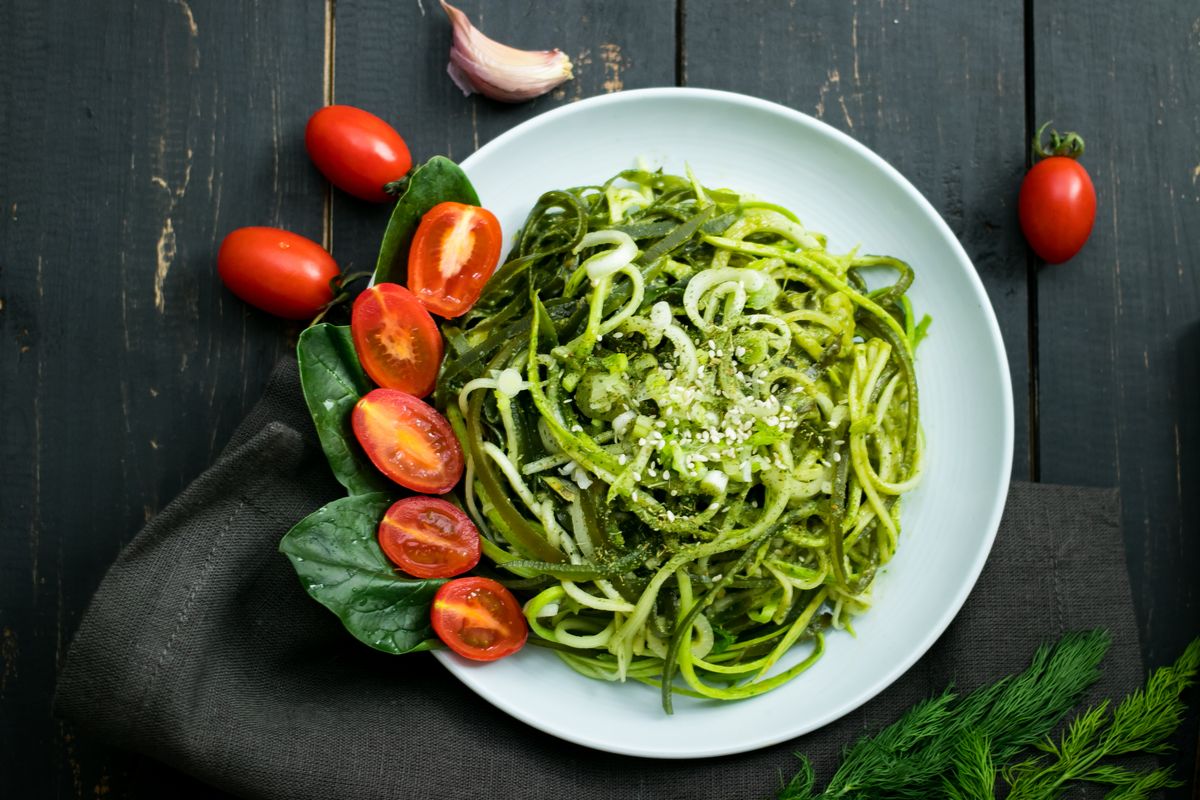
(687, 426)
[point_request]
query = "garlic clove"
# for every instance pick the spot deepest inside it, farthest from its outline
(483, 65)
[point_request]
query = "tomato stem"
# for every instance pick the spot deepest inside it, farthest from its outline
(1067, 145)
(400, 185)
(340, 281)
(338, 286)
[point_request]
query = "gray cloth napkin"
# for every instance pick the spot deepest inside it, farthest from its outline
(201, 649)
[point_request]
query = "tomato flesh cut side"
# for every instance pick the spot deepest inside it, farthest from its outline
(408, 441)
(479, 619)
(428, 537)
(454, 252)
(397, 341)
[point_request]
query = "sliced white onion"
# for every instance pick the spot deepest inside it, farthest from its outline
(715, 481)
(604, 264)
(661, 316)
(622, 422)
(510, 382)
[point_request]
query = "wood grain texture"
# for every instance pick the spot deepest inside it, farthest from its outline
(391, 58)
(1119, 325)
(937, 89)
(134, 137)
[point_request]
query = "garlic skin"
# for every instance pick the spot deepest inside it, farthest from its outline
(480, 64)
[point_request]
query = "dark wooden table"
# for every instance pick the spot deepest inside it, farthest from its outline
(134, 135)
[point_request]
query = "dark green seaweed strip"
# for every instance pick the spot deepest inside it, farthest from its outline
(682, 232)
(588, 571)
(520, 533)
(684, 627)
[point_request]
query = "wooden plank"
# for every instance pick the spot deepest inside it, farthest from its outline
(1118, 330)
(133, 139)
(390, 58)
(935, 88)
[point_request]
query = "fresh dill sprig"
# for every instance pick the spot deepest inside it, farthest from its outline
(959, 747)
(973, 775)
(1142, 723)
(910, 759)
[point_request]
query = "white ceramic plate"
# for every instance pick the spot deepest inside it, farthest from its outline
(841, 188)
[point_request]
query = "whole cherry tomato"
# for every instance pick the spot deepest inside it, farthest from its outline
(429, 538)
(478, 619)
(1057, 204)
(278, 271)
(396, 340)
(357, 151)
(408, 441)
(454, 251)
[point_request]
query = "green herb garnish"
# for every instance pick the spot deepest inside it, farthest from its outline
(965, 746)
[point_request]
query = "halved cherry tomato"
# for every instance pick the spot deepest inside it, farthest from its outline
(478, 619)
(1057, 203)
(357, 151)
(397, 341)
(278, 271)
(429, 538)
(408, 441)
(454, 252)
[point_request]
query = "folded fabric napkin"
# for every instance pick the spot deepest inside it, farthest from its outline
(202, 649)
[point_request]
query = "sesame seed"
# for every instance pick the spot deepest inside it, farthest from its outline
(837, 457)
(670, 515)
(621, 459)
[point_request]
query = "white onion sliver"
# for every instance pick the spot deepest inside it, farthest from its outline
(604, 264)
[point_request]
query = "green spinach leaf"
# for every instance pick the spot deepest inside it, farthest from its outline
(333, 381)
(436, 181)
(337, 557)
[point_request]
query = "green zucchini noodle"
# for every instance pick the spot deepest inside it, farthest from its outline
(687, 426)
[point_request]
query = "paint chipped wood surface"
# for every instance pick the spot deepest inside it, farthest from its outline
(134, 136)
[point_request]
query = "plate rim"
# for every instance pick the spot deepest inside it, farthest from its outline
(467, 672)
